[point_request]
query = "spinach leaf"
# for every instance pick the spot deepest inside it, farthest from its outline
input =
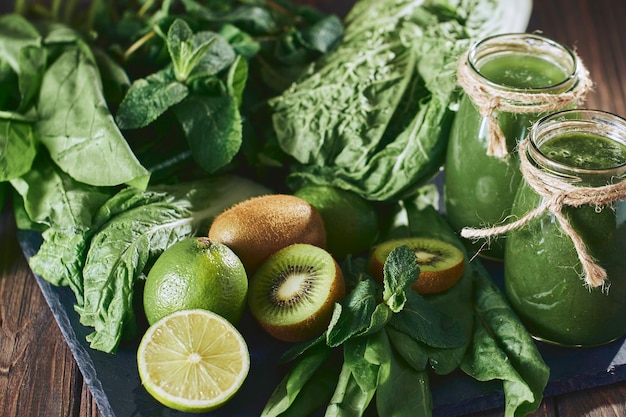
(414, 354)
(17, 146)
(76, 125)
(108, 248)
(357, 381)
(4, 188)
(422, 322)
(315, 394)
(52, 198)
(300, 376)
(16, 33)
(32, 63)
(503, 350)
(402, 390)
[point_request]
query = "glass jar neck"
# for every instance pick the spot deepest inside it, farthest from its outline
(524, 45)
(579, 125)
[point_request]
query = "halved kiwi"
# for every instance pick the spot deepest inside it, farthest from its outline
(441, 263)
(292, 294)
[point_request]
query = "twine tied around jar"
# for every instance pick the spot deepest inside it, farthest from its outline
(556, 194)
(489, 99)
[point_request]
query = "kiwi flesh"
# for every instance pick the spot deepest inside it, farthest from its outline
(441, 263)
(260, 226)
(292, 294)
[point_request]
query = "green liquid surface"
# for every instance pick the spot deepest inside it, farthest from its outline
(582, 150)
(479, 189)
(522, 71)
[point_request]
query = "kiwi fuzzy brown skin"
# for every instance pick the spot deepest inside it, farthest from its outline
(433, 279)
(258, 227)
(294, 330)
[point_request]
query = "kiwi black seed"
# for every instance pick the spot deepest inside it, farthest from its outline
(441, 263)
(292, 294)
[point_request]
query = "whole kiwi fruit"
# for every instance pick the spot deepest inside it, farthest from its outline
(441, 263)
(292, 295)
(258, 227)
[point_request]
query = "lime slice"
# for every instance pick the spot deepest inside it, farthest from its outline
(192, 360)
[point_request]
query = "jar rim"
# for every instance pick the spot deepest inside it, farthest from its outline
(597, 122)
(522, 38)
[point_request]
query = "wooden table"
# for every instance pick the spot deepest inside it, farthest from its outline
(38, 375)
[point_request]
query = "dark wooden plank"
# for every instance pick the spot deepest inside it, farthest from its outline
(38, 375)
(606, 401)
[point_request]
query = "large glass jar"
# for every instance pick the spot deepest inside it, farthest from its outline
(510, 81)
(565, 269)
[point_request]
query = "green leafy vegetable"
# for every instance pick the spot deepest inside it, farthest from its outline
(296, 380)
(373, 115)
(125, 235)
(75, 124)
(503, 350)
(17, 146)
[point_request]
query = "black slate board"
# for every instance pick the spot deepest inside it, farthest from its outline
(115, 386)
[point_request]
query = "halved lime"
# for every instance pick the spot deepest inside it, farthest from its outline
(192, 360)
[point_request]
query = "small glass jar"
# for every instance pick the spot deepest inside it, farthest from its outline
(585, 152)
(478, 187)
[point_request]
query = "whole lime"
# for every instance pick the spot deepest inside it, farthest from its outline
(196, 273)
(351, 221)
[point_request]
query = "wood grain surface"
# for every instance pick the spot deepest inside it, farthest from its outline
(38, 375)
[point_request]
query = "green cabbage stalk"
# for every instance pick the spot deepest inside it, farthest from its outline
(373, 116)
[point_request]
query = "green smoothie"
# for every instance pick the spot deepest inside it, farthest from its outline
(542, 270)
(479, 189)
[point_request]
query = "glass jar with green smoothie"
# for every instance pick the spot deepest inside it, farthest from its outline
(509, 81)
(565, 265)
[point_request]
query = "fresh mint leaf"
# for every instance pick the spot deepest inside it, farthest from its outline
(400, 271)
(198, 54)
(213, 128)
(148, 98)
(352, 316)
